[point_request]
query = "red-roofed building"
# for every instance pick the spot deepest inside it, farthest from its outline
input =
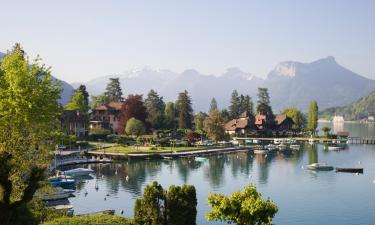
(107, 116)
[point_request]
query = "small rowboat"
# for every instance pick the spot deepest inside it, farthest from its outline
(320, 166)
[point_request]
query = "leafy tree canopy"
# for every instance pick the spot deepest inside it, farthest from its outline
(242, 208)
(29, 111)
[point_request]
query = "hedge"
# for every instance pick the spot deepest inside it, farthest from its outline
(99, 219)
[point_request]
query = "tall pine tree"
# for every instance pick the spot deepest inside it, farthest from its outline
(213, 105)
(170, 115)
(155, 109)
(248, 105)
(184, 110)
(113, 90)
(264, 106)
(235, 105)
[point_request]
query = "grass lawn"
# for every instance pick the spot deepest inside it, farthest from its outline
(121, 149)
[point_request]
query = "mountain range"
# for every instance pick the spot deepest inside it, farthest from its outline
(290, 83)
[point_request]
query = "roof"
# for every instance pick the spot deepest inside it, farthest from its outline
(234, 124)
(111, 106)
(343, 133)
(260, 119)
(73, 115)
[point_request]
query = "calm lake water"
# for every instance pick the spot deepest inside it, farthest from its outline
(303, 197)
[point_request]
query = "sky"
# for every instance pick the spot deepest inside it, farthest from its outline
(85, 39)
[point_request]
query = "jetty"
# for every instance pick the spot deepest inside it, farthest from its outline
(165, 154)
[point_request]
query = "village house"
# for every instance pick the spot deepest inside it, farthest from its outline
(247, 124)
(283, 122)
(242, 125)
(74, 122)
(107, 116)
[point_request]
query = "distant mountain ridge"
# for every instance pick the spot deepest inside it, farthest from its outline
(360, 109)
(67, 89)
(290, 83)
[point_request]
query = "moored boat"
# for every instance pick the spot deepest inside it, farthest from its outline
(78, 172)
(349, 170)
(59, 194)
(295, 147)
(281, 147)
(320, 166)
(335, 148)
(58, 181)
(201, 159)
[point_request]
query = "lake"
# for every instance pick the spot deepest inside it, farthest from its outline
(303, 197)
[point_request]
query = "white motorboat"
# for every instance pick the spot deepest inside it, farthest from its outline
(335, 148)
(201, 159)
(59, 194)
(295, 147)
(270, 147)
(320, 166)
(78, 172)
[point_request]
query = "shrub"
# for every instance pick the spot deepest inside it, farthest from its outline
(98, 133)
(99, 219)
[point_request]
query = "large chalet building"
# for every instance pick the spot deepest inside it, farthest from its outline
(73, 122)
(107, 117)
(248, 124)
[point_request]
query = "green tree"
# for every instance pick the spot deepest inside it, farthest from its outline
(29, 110)
(235, 105)
(242, 208)
(198, 121)
(264, 106)
(177, 206)
(297, 116)
(155, 107)
(99, 100)
(184, 110)
(78, 102)
(213, 105)
(326, 131)
(225, 115)
(312, 122)
(170, 115)
(135, 127)
(150, 209)
(181, 205)
(82, 89)
(248, 105)
(214, 126)
(113, 90)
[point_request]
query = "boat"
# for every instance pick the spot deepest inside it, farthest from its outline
(78, 172)
(59, 194)
(320, 166)
(200, 159)
(296, 147)
(58, 181)
(311, 141)
(270, 147)
(335, 148)
(349, 170)
(261, 151)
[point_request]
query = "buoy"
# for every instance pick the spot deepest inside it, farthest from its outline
(107, 194)
(127, 178)
(105, 198)
(359, 162)
(122, 212)
(374, 181)
(301, 167)
(357, 174)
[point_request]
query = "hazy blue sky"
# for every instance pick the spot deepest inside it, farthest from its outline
(84, 39)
